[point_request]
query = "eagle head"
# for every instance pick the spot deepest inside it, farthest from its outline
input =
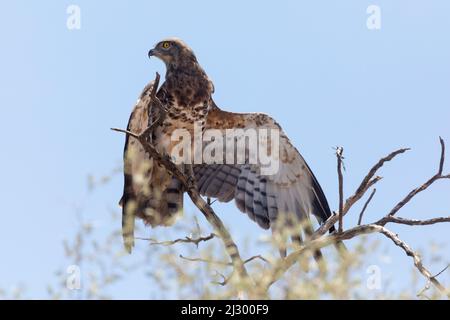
(173, 52)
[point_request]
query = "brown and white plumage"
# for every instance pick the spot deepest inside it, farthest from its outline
(151, 193)
(293, 191)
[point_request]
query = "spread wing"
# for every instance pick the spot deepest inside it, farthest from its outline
(292, 190)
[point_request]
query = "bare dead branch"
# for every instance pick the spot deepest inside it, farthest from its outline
(417, 260)
(319, 242)
(225, 280)
(369, 180)
(412, 222)
(442, 160)
(154, 103)
(222, 263)
(413, 193)
(318, 239)
(323, 229)
(207, 211)
(378, 166)
(423, 187)
(358, 195)
(421, 293)
(195, 241)
(189, 184)
(365, 206)
(283, 265)
(255, 258)
(340, 157)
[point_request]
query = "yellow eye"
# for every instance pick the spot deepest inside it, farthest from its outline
(166, 45)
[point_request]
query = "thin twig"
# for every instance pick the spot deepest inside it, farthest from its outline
(318, 240)
(195, 241)
(283, 265)
(423, 187)
(366, 205)
(421, 293)
(369, 180)
(348, 204)
(427, 286)
(441, 272)
(441, 162)
(222, 262)
(225, 280)
(256, 257)
(207, 211)
(132, 134)
(413, 193)
(417, 260)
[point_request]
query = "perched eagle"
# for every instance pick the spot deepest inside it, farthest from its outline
(154, 195)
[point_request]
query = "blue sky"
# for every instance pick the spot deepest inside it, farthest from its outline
(312, 65)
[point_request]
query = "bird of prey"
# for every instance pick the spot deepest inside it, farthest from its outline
(154, 195)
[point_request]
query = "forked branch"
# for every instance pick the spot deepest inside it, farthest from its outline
(195, 241)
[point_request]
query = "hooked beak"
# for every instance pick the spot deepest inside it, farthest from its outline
(151, 53)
